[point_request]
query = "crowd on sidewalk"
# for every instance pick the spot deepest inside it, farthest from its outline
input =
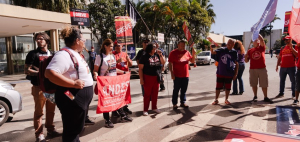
(69, 71)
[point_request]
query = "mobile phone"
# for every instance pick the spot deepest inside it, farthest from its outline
(69, 95)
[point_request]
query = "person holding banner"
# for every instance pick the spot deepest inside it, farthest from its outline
(286, 61)
(74, 90)
(123, 64)
(105, 65)
(150, 76)
(179, 67)
(227, 70)
(258, 71)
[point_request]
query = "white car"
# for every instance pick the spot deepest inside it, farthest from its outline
(10, 101)
(134, 69)
(204, 58)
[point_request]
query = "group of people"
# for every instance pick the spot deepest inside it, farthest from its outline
(78, 80)
(231, 65)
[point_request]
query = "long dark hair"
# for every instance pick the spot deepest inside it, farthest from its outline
(239, 46)
(106, 42)
(70, 34)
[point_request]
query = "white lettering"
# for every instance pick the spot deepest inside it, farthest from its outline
(117, 88)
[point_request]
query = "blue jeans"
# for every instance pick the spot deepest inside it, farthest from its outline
(182, 85)
(282, 73)
(239, 78)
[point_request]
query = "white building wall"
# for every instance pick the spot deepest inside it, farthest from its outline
(276, 34)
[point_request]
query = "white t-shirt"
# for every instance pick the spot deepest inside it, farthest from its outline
(108, 67)
(62, 64)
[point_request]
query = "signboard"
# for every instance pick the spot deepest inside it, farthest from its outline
(187, 35)
(79, 17)
(161, 37)
(123, 30)
(130, 50)
(248, 136)
(113, 92)
(288, 120)
(287, 22)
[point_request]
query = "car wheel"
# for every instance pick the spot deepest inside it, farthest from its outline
(4, 112)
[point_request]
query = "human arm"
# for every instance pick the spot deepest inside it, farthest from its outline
(171, 70)
(278, 62)
(141, 74)
(161, 57)
(294, 52)
(192, 60)
(86, 49)
(261, 41)
(128, 61)
(63, 81)
(29, 71)
(212, 50)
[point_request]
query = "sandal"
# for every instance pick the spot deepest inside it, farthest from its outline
(215, 102)
(227, 102)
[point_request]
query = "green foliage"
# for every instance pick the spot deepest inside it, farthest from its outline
(102, 17)
(266, 40)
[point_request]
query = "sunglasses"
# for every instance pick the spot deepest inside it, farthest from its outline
(146, 42)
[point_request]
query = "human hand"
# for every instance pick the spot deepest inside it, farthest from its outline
(276, 69)
(79, 84)
(142, 81)
(234, 77)
(159, 52)
(173, 76)
(119, 60)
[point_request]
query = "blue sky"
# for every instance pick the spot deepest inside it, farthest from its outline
(236, 16)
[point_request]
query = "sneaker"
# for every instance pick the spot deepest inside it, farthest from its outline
(175, 107)
(126, 119)
(126, 110)
(145, 113)
(184, 106)
(89, 122)
(162, 89)
(266, 99)
(254, 99)
(280, 95)
(41, 138)
(241, 93)
(109, 124)
(115, 114)
(53, 133)
(296, 102)
(157, 111)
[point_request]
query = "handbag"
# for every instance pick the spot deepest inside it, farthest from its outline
(96, 86)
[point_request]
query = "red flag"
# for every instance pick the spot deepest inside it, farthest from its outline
(287, 21)
(113, 92)
(294, 27)
(123, 29)
(212, 41)
(187, 34)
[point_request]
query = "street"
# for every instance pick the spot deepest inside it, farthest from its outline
(201, 122)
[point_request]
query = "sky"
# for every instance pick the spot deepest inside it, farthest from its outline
(237, 16)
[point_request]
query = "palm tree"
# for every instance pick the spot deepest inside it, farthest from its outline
(51, 5)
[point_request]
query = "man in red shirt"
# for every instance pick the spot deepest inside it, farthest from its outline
(123, 64)
(287, 58)
(179, 67)
(258, 71)
(297, 84)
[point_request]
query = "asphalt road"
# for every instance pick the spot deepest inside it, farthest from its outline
(201, 122)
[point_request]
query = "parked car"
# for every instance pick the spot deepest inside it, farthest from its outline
(204, 58)
(10, 102)
(134, 69)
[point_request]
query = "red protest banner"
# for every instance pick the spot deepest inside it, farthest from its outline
(294, 26)
(212, 41)
(113, 92)
(287, 21)
(187, 34)
(123, 29)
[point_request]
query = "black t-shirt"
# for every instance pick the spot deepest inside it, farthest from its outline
(140, 54)
(151, 64)
(33, 59)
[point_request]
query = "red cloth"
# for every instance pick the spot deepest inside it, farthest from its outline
(151, 87)
(113, 92)
(180, 60)
(287, 57)
(257, 57)
(123, 56)
(298, 63)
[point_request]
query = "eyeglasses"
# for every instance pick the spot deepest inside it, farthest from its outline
(145, 41)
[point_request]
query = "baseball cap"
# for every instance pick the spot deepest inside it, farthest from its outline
(116, 43)
(92, 47)
(287, 37)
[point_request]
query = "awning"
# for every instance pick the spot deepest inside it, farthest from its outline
(16, 20)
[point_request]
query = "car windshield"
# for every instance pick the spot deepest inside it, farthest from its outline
(204, 54)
